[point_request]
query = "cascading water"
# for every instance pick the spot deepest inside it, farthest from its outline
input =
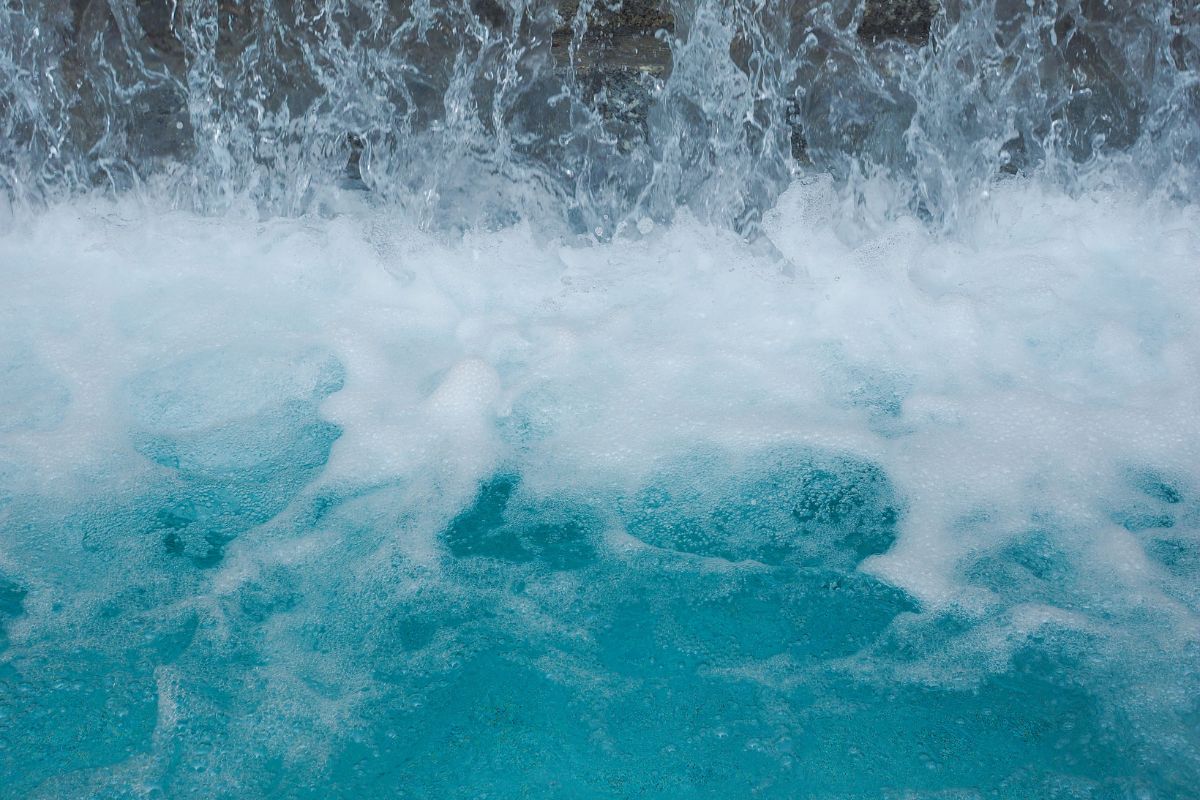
(518, 398)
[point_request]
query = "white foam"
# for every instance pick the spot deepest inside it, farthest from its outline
(1010, 375)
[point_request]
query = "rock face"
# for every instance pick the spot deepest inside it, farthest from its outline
(631, 37)
(617, 54)
(897, 19)
(628, 35)
(624, 44)
(620, 58)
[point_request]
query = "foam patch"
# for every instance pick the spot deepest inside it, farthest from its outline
(335, 507)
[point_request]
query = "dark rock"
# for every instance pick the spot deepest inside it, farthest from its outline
(625, 43)
(897, 19)
(631, 16)
(617, 54)
(621, 55)
(631, 37)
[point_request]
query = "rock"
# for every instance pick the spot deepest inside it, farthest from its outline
(620, 58)
(897, 19)
(617, 54)
(623, 46)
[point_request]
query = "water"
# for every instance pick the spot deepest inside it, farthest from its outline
(393, 405)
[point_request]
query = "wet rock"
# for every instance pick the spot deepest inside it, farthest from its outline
(624, 49)
(627, 37)
(619, 55)
(897, 19)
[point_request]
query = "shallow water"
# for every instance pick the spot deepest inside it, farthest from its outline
(889, 488)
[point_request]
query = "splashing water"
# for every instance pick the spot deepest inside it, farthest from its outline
(476, 114)
(465, 399)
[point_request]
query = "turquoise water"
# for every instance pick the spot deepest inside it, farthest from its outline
(485, 399)
(316, 509)
(730, 649)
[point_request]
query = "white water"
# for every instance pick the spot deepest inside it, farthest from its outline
(1012, 379)
(251, 424)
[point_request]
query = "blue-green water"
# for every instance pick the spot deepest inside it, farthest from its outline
(369, 517)
(535, 399)
(729, 647)
(657, 674)
(603, 522)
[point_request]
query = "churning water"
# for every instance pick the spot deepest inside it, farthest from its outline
(453, 399)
